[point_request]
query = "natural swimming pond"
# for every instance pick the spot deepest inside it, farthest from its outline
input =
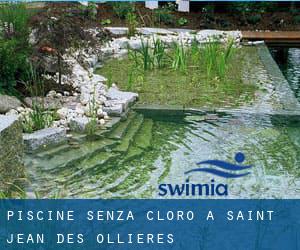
(142, 152)
(147, 149)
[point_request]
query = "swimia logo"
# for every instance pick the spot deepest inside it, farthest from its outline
(215, 167)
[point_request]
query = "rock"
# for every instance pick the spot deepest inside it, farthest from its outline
(7, 103)
(12, 112)
(117, 30)
(102, 121)
(51, 93)
(122, 42)
(62, 113)
(100, 113)
(47, 102)
(115, 110)
(78, 124)
(44, 138)
(20, 109)
(121, 97)
(159, 31)
(135, 44)
(79, 110)
(11, 152)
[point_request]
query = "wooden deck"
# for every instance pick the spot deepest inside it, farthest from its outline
(275, 37)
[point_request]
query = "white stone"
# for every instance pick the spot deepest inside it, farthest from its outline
(102, 121)
(62, 113)
(12, 112)
(51, 93)
(20, 109)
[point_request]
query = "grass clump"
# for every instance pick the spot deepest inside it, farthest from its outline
(38, 118)
(195, 76)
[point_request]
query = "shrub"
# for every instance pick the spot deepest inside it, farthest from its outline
(14, 45)
(254, 19)
(297, 19)
(164, 15)
(132, 23)
(122, 9)
(182, 21)
(13, 64)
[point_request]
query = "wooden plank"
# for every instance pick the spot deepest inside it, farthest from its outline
(273, 36)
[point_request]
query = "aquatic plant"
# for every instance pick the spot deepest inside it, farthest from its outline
(146, 55)
(131, 21)
(39, 117)
(92, 126)
(180, 57)
(194, 52)
(216, 58)
(159, 53)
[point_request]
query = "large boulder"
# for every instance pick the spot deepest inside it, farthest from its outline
(8, 102)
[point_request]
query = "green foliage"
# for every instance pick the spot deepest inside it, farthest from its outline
(13, 64)
(92, 11)
(252, 7)
(122, 9)
(216, 58)
(159, 53)
(149, 58)
(92, 126)
(14, 45)
(180, 57)
(131, 20)
(254, 19)
(164, 15)
(297, 19)
(38, 118)
(106, 22)
(182, 21)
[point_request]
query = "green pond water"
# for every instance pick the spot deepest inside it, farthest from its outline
(138, 154)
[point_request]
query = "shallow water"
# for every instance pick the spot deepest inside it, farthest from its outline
(156, 150)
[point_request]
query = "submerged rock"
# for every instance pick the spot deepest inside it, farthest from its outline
(7, 103)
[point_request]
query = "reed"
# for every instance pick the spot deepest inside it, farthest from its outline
(180, 57)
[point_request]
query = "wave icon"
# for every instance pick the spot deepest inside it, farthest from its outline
(224, 167)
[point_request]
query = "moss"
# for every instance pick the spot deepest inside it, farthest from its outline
(193, 88)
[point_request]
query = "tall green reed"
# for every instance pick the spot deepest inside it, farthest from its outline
(179, 57)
